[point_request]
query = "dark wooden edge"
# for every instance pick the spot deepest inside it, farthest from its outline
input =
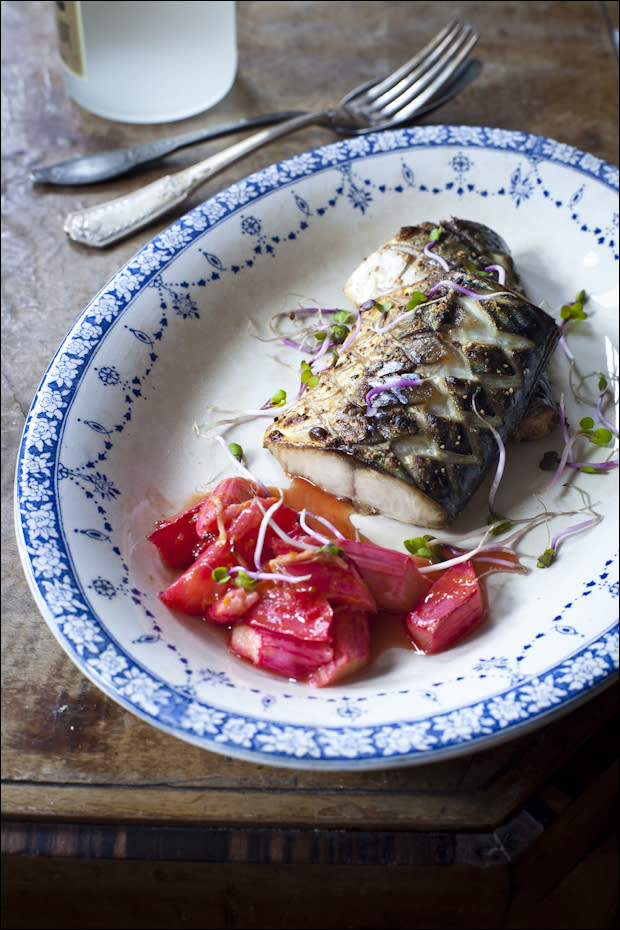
(588, 779)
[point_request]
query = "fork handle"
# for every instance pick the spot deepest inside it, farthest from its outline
(111, 221)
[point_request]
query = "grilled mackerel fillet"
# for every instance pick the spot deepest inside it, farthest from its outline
(418, 453)
(464, 245)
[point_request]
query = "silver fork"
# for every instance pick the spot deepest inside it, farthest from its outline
(382, 104)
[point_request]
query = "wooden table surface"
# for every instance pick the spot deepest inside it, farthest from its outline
(108, 822)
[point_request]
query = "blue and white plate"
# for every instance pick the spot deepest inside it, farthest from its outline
(115, 440)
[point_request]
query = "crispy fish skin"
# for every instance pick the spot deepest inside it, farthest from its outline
(419, 451)
(463, 244)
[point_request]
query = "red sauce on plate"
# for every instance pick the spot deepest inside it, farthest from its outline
(302, 493)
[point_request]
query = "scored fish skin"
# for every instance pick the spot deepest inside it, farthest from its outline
(419, 452)
(463, 244)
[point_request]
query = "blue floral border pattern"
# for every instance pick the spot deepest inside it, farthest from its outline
(39, 470)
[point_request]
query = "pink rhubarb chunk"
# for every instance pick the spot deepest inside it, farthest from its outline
(285, 609)
(452, 606)
(392, 577)
(351, 642)
(286, 655)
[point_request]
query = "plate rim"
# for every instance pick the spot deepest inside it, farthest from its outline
(535, 146)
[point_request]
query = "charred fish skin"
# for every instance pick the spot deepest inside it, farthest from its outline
(463, 244)
(447, 370)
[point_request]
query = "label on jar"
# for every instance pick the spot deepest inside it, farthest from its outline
(70, 36)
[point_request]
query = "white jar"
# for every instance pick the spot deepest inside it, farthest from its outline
(147, 62)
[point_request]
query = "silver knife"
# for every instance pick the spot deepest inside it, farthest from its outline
(101, 166)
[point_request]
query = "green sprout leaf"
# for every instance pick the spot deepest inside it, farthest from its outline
(237, 451)
(575, 310)
(435, 233)
(243, 580)
(602, 382)
(339, 333)
(499, 524)
(279, 398)
(546, 559)
(415, 300)
(383, 308)
(332, 549)
(307, 375)
(220, 575)
(419, 545)
(600, 436)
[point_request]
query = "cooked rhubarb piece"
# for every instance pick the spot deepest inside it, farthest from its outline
(335, 580)
(283, 608)
(195, 589)
(226, 492)
(286, 655)
(452, 606)
(178, 538)
(392, 577)
(351, 644)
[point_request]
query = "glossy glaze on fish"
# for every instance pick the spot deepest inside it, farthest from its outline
(418, 450)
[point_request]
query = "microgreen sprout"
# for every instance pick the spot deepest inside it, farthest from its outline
(385, 307)
(279, 398)
(307, 375)
(220, 575)
(332, 549)
(428, 248)
(237, 451)
(462, 290)
(415, 300)
(243, 580)
(600, 436)
(602, 387)
(339, 333)
(498, 524)
(548, 557)
(570, 313)
(575, 310)
(238, 463)
(419, 545)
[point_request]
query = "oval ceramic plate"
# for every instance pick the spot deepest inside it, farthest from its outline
(111, 445)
